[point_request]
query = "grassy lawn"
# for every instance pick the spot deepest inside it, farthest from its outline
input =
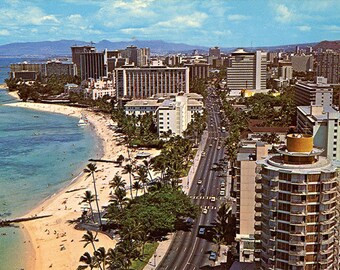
(149, 250)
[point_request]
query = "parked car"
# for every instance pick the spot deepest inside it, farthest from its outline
(205, 211)
(212, 199)
(199, 182)
(222, 192)
(213, 256)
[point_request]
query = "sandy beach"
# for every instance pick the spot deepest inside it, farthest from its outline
(55, 242)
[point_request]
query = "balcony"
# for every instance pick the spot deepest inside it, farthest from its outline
(329, 190)
(298, 181)
(301, 252)
(297, 221)
(297, 202)
(297, 231)
(326, 251)
(296, 241)
(300, 191)
(296, 262)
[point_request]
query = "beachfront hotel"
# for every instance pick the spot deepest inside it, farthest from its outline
(173, 112)
(298, 218)
(139, 83)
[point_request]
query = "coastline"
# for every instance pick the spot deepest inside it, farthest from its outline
(54, 240)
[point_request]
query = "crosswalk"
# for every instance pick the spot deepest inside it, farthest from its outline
(211, 207)
(201, 197)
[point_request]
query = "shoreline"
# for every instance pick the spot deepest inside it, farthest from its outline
(54, 236)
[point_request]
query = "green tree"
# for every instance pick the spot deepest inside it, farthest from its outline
(91, 169)
(89, 198)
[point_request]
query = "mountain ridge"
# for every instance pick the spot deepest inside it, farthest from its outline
(63, 47)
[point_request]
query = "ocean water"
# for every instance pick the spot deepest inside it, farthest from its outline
(40, 153)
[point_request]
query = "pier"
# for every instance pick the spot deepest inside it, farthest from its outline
(8, 222)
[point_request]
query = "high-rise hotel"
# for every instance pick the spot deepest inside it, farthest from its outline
(247, 70)
(298, 217)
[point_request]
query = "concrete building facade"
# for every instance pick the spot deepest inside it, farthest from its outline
(245, 188)
(328, 66)
(302, 63)
(172, 113)
(146, 82)
(310, 93)
(247, 70)
(299, 196)
(323, 123)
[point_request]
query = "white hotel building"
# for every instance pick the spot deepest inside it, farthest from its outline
(139, 83)
(171, 113)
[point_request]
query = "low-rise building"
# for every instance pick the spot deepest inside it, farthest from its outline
(313, 93)
(172, 113)
(100, 88)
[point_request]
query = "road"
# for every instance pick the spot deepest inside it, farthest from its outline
(188, 250)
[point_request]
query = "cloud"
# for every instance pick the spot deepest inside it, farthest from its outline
(237, 17)
(304, 28)
(194, 20)
(284, 15)
(4, 32)
(332, 28)
(75, 18)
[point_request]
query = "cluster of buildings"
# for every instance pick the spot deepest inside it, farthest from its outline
(287, 200)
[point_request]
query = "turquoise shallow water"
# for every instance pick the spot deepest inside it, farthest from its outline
(39, 154)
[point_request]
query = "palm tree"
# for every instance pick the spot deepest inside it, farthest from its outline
(129, 169)
(119, 197)
(91, 169)
(88, 260)
(89, 238)
(137, 185)
(100, 255)
(143, 176)
(89, 198)
(117, 182)
(148, 167)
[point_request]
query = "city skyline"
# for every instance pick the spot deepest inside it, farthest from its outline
(206, 23)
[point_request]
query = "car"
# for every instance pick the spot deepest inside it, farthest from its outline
(213, 256)
(203, 154)
(222, 188)
(201, 231)
(222, 192)
(199, 182)
(210, 145)
(215, 139)
(205, 211)
(222, 184)
(219, 148)
(211, 125)
(212, 199)
(202, 190)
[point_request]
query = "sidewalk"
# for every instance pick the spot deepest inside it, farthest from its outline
(160, 253)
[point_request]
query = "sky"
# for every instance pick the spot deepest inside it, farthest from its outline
(224, 23)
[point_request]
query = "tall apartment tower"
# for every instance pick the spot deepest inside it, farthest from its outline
(247, 70)
(328, 66)
(77, 51)
(93, 65)
(299, 221)
(215, 52)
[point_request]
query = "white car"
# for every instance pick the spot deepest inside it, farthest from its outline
(199, 182)
(205, 211)
(222, 193)
(212, 199)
